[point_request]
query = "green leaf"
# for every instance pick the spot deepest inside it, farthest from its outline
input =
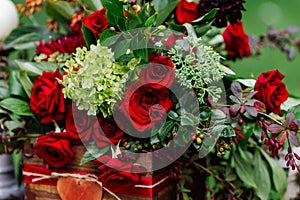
(139, 45)
(11, 125)
(89, 36)
(36, 69)
(4, 90)
(109, 38)
(165, 12)
(154, 139)
(150, 21)
(115, 20)
(244, 170)
(173, 115)
(25, 37)
(121, 48)
(115, 7)
(16, 106)
(159, 4)
(207, 17)
(279, 177)
(26, 82)
(15, 87)
(228, 131)
(262, 176)
(188, 120)
(92, 153)
(92, 4)
(165, 129)
(59, 10)
(202, 29)
(133, 21)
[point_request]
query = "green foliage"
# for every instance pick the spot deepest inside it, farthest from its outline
(59, 10)
(92, 153)
(197, 66)
(16, 106)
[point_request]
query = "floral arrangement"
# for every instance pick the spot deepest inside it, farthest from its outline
(130, 78)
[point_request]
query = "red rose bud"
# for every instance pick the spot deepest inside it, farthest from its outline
(96, 21)
(236, 41)
(238, 128)
(271, 90)
(186, 11)
(263, 135)
(47, 99)
(53, 150)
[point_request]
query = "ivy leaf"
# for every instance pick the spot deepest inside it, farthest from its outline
(244, 170)
(262, 176)
(92, 153)
(16, 106)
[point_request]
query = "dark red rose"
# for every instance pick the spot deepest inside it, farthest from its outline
(145, 106)
(106, 131)
(116, 172)
(159, 74)
(236, 41)
(96, 21)
(82, 127)
(186, 11)
(54, 150)
(271, 90)
(47, 99)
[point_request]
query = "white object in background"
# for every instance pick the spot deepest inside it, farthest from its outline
(8, 182)
(9, 18)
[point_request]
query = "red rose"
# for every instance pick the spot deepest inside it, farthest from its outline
(145, 106)
(122, 177)
(271, 90)
(186, 11)
(106, 131)
(53, 149)
(47, 99)
(82, 128)
(159, 74)
(96, 21)
(236, 41)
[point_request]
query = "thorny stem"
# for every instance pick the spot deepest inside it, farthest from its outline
(224, 182)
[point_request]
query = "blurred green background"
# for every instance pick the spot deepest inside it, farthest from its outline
(259, 16)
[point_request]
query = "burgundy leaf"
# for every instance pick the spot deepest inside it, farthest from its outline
(234, 109)
(236, 89)
(294, 140)
(250, 95)
(275, 129)
(251, 111)
(289, 118)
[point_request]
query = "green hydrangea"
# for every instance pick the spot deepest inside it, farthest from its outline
(94, 81)
(197, 66)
